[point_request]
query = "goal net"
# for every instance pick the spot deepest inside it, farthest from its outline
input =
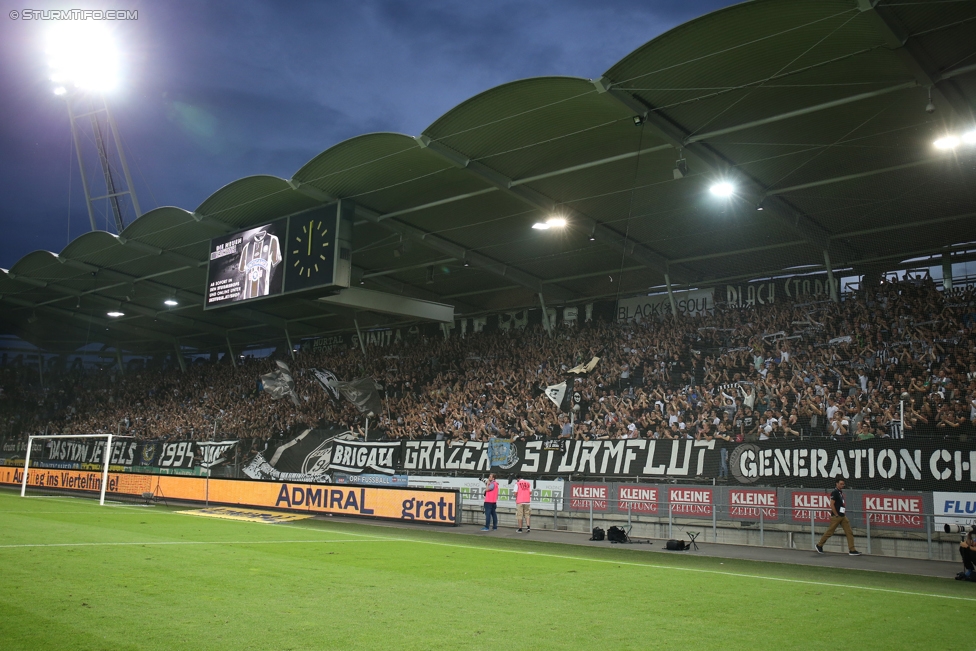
(86, 473)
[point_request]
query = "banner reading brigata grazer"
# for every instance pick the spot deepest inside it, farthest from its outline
(420, 505)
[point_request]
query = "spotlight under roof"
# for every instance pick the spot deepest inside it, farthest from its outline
(171, 302)
(947, 142)
(115, 315)
(723, 189)
(552, 222)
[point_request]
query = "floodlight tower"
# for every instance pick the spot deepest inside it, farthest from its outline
(84, 67)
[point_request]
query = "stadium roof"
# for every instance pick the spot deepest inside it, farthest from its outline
(815, 110)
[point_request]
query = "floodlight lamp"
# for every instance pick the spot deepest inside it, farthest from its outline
(723, 189)
(556, 222)
(60, 90)
(947, 142)
(171, 302)
(83, 54)
(969, 137)
(541, 226)
(115, 315)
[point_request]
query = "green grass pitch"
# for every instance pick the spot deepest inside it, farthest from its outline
(79, 576)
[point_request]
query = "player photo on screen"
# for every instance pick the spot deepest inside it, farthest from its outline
(246, 265)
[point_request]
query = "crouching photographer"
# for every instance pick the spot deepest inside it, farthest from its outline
(967, 549)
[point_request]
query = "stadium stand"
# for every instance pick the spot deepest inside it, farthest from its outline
(791, 369)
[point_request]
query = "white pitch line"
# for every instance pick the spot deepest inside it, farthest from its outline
(682, 569)
(189, 542)
(374, 538)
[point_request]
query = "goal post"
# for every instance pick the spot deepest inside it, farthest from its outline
(107, 457)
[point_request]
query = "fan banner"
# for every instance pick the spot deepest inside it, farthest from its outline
(364, 393)
(306, 457)
(317, 454)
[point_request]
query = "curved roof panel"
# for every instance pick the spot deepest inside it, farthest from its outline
(814, 109)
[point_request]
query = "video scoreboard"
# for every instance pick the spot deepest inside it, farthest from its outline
(294, 254)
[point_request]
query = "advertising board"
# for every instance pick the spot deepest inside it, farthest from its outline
(420, 505)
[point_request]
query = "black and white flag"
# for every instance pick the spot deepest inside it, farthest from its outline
(560, 396)
(327, 380)
(279, 383)
(363, 393)
(214, 453)
(583, 369)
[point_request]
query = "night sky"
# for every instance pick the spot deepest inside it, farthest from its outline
(212, 92)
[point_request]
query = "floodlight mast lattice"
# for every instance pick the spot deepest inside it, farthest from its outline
(83, 67)
(107, 454)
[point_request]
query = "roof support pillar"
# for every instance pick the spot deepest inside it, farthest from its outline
(230, 350)
(291, 349)
(179, 355)
(118, 359)
(674, 306)
(359, 336)
(830, 277)
(545, 316)
(946, 272)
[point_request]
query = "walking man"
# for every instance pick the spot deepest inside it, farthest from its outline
(491, 503)
(523, 496)
(838, 519)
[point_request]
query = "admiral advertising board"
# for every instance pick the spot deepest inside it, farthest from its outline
(411, 504)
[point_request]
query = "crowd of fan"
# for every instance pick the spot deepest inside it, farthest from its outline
(850, 370)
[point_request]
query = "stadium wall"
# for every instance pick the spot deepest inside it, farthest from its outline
(430, 506)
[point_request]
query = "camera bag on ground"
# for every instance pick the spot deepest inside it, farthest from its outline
(676, 545)
(616, 535)
(598, 534)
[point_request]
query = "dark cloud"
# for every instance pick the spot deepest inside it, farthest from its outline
(220, 90)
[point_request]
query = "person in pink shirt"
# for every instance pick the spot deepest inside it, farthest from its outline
(523, 496)
(491, 503)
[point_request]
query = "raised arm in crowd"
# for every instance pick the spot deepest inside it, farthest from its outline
(849, 370)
